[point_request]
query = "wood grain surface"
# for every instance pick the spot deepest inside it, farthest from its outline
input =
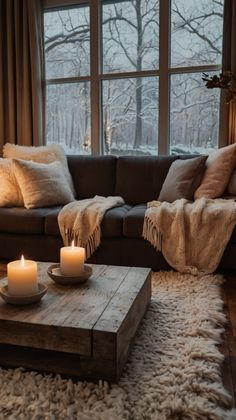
(96, 321)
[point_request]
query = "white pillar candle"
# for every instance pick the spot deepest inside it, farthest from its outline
(72, 260)
(22, 277)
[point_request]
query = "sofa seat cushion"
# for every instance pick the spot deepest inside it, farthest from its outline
(133, 223)
(112, 224)
(21, 220)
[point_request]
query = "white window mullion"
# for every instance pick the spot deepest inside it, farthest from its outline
(163, 141)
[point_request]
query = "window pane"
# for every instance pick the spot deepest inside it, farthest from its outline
(130, 116)
(67, 42)
(194, 115)
(130, 35)
(196, 32)
(68, 116)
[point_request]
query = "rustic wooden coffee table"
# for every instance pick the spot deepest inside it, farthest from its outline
(84, 331)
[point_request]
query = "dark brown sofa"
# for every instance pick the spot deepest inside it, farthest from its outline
(137, 179)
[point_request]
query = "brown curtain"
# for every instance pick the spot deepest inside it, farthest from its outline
(21, 70)
(229, 59)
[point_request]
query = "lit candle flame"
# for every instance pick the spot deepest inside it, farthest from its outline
(73, 245)
(22, 261)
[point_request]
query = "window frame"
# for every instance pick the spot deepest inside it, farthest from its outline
(163, 73)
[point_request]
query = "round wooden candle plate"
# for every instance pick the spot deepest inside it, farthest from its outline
(55, 274)
(23, 300)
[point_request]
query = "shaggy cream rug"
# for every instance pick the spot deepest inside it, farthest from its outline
(174, 369)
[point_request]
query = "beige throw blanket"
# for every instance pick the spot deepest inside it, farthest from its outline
(81, 221)
(191, 236)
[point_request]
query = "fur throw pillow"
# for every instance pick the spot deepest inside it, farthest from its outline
(39, 154)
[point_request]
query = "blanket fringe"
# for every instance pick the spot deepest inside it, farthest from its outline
(80, 221)
(152, 234)
(90, 245)
(68, 235)
(191, 235)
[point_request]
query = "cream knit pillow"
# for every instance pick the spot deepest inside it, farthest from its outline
(219, 166)
(42, 185)
(39, 154)
(10, 194)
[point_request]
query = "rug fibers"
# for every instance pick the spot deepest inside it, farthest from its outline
(173, 372)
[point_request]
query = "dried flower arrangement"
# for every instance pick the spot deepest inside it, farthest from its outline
(225, 80)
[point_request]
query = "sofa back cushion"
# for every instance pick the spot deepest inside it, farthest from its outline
(139, 179)
(93, 175)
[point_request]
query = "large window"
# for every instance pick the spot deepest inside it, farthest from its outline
(125, 76)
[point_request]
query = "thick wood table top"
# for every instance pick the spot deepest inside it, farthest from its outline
(83, 319)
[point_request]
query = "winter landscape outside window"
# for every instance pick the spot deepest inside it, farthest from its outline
(125, 77)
